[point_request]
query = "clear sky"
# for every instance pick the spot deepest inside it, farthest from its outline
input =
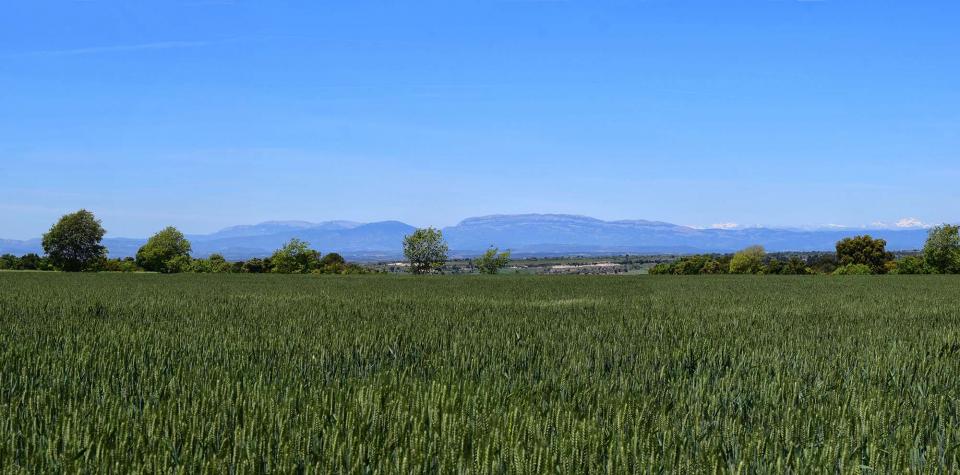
(209, 113)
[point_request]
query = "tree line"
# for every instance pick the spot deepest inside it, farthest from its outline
(73, 244)
(860, 255)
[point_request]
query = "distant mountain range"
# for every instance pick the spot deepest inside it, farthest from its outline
(528, 234)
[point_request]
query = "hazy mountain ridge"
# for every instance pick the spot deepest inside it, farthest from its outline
(527, 234)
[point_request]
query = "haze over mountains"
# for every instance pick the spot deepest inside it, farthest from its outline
(528, 234)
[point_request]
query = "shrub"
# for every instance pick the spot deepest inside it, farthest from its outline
(255, 266)
(748, 261)
(162, 249)
(864, 250)
(492, 261)
(910, 265)
(692, 265)
(853, 269)
(295, 257)
(942, 250)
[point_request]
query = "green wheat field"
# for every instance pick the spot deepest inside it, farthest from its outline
(505, 374)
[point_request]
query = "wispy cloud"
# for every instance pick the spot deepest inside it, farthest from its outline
(159, 45)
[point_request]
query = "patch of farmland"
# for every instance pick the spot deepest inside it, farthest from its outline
(517, 374)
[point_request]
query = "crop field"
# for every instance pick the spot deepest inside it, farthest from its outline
(506, 374)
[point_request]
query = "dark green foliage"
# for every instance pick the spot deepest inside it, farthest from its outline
(179, 264)
(337, 265)
(255, 266)
(168, 251)
(219, 265)
(773, 267)
(720, 264)
(864, 250)
(127, 264)
(215, 264)
(693, 265)
(332, 259)
(426, 250)
(942, 250)
(32, 261)
(385, 374)
(795, 266)
(823, 264)
(73, 243)
(9, 262)
(911, 265)
(853, 269)
(492, 261)
(295, 257)
(792, 266)
(29, 261)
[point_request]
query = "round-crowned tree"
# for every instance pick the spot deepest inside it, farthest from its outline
(492, 261)
(426, 250)
(165, 252)
(73, 244)
(295, 257)
(748, 261)
(942, 250)
(864, 250)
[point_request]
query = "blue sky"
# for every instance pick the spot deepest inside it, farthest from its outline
(209, 113)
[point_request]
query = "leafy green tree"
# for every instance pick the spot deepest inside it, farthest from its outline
(236, 267)
(295, 257)
(492, 261)
(332, 259)
(713, 267)
(179, 264)
(215, 264)
(199, 266)
(774, 267)
(911, 265)
(748, 261)
(9, 262)
(822, 263)
(332, 263)
(426, 250)
(693, 265)
(795, 266)
(942, 250)
(864, 250)
(218, 264)
(165, 252)
(30, 261)
(662, 268)
(255, 266)
(73, 244)
(690, 265)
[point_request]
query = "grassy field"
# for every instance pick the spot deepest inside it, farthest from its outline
(517, 374)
